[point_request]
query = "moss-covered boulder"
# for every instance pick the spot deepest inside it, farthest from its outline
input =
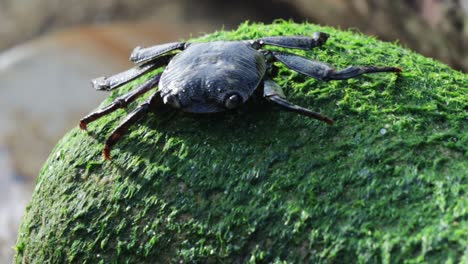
(386, 183)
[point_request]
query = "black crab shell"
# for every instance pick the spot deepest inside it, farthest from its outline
(205, 74)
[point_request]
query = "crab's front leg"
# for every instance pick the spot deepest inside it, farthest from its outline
(273, 93)
(120, 102)
(147, 60)
(155, 102)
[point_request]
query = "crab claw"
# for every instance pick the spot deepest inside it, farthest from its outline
(172, 100)
(320, 37)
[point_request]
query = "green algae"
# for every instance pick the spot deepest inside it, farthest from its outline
(386, 183)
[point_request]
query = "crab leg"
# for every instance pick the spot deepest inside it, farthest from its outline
(295, 42)
(121, 101)
(142, 55)
(155, 101)
(323, 71)
(273, 93)
(115, 81)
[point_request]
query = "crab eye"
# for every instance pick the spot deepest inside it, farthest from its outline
(172, 100)
(233, 101)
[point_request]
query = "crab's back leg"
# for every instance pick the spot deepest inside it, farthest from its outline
(323, 71)
(154, 102)
(115, 81)
(121, 101)
(294, 42)
(143, 55)
(273, 93)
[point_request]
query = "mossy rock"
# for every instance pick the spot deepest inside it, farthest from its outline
(386, 183)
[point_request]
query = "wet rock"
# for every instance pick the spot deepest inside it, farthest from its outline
(263, 185)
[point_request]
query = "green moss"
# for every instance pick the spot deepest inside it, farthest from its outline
(386, 183)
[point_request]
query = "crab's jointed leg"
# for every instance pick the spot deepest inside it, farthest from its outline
(115, 81)
(323, 71)
(121, 101)
(273, 93)
(295, 42)
(154, 102)
(143, 55)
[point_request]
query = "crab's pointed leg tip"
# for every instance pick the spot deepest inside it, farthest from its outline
(106, 152)
(83, 125)
(330, 121)
(101, 84)
(134, 55)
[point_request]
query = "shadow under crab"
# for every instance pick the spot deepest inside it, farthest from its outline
(216, 76)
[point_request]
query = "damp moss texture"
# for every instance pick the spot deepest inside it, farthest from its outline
(385, 184)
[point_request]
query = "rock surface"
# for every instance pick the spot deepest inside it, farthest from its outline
(386, 183)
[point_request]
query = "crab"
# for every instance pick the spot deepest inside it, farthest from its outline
(215, 76)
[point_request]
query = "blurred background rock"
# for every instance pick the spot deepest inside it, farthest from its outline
(44, 75)
(436, 28)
